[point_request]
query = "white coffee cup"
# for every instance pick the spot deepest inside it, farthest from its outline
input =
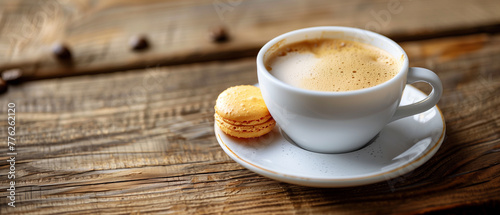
(338, 122)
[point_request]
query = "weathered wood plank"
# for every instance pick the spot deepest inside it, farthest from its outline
(142, 141)
(98, 31)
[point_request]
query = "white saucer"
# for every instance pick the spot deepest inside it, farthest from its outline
(401, 146)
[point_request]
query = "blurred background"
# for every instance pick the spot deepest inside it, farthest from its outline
(99, 33)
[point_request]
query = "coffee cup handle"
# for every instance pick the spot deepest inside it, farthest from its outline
(417, 74)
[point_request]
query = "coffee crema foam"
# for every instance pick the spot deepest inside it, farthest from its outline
(332, 65)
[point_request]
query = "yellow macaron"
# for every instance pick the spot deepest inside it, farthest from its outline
(240, 112)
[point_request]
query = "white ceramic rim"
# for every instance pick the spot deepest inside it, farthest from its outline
(263, 71)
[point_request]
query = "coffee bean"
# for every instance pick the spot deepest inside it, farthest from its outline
(219, 35)
(12, 75)
(61, 51)
(138, 42)
(3, 86)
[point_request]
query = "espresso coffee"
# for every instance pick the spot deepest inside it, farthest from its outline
(332, 65)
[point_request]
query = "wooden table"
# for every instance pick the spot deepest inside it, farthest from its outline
(116, 131)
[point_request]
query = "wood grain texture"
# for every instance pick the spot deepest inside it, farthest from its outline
(142, 141)
(98, 31)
